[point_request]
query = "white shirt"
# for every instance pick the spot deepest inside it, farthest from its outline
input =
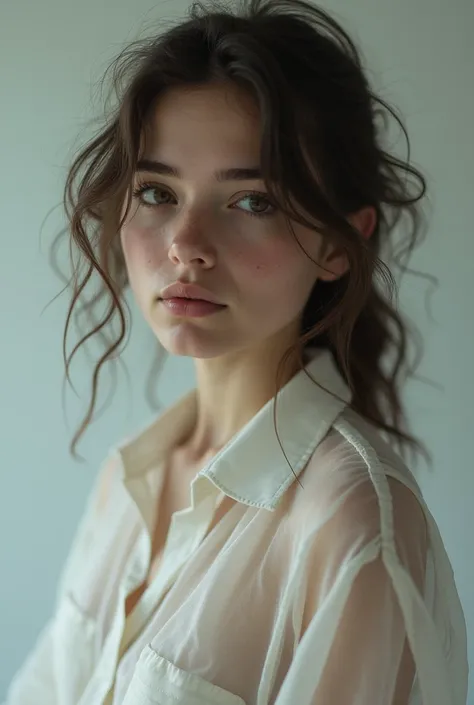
(354, 553)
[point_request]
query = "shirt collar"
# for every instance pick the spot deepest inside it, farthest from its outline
(251, 467)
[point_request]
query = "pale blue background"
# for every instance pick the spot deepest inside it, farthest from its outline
(51, 54)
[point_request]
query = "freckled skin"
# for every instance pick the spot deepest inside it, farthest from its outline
(251, 264)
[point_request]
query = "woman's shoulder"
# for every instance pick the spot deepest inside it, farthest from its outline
(356, 483)
(374, 449)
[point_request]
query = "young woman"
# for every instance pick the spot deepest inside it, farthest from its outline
(260, 542)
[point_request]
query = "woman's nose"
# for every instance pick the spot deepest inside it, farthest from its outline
(190, 242)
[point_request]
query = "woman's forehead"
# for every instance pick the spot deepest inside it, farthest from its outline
(205, 119)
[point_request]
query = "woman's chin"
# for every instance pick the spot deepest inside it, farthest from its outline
(199, 344)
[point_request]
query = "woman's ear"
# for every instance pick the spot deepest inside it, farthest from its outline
(364, 221)
(334, 265)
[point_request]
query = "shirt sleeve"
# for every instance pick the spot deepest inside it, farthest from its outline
(367, 634)
(35, 682)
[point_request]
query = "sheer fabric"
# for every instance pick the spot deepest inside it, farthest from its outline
(336, 589)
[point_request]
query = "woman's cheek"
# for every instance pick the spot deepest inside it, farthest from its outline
(139, 242)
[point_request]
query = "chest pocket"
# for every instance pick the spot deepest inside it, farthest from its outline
(157, 681)
(74, 635)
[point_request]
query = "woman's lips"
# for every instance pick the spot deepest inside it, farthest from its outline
(192, 308)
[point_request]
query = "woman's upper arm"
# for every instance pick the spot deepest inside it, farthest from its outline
(364, 597)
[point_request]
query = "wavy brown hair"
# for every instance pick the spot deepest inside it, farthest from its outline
(322, 158)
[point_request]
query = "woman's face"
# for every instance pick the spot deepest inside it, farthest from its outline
(219, 233)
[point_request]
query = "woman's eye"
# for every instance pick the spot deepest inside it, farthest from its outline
(152, 195)
(258, 205)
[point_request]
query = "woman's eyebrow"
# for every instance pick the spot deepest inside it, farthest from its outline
(235, 174)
